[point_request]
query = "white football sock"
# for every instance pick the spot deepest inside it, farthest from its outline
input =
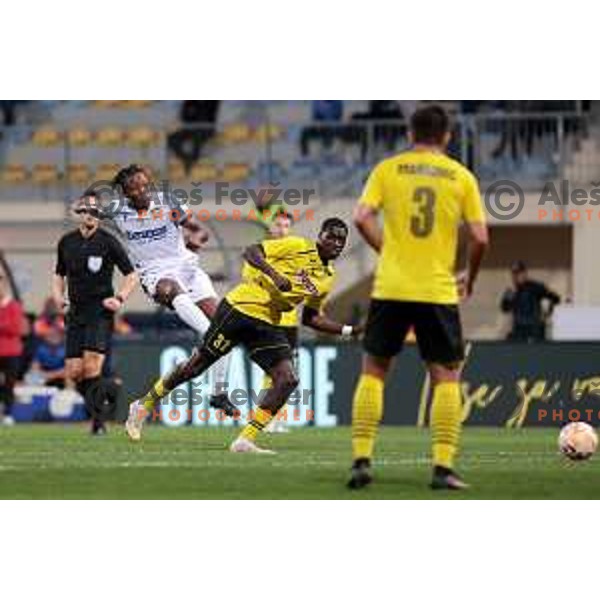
(198, 321)
(190, 314)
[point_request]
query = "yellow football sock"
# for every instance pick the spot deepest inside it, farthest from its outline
(157, 392)
(446, 413)
(261, 419)
(367, 410)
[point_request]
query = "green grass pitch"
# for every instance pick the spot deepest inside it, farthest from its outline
(63, 461)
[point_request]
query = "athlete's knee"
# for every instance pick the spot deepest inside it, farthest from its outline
(208, 306)
(376, 366)
(74, 370)
(446, 372)
(166, 291)
(285, 378)
(92, 366)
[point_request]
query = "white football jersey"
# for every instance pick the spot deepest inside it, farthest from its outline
(154, 238)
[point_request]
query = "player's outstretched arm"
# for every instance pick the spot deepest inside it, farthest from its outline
(365, 219)
(255, 256)
(319, 322)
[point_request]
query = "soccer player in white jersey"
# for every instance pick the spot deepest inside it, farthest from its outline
(160, 235)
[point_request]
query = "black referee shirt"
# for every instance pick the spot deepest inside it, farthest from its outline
(88, 264)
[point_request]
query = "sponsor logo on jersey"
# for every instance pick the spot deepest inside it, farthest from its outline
(149, 234)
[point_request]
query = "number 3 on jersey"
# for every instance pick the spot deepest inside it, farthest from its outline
(421, 223)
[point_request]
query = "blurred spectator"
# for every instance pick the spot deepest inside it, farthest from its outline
(510, 128)
(525, 301)
(49, 358)
(12, 329)
(383, 134)
(29, 344)
(49, 319)
(121, 326)
(9, 112)
(199, 118)
(323, 111)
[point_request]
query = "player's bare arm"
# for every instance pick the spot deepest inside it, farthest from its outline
(320, 322)
(478, 243)
(365, 219)
(255, 256)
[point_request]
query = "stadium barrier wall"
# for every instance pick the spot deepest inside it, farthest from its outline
(505, 384)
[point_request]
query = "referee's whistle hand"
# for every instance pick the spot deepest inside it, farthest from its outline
(113, 304)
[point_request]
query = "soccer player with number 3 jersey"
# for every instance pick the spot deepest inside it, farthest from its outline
(424, 197)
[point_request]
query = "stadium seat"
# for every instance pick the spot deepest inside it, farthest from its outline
(78, 173)
(204, 171)
(142, 137)
(46, 137)
(44, 174)
(105, 103)
(268, 133)
(106, 172)
(270, 171)
(236, 172)
(134, 104)
(235, 133)
(14, 174)
(176, 171)
(78, 137)
(109, 136)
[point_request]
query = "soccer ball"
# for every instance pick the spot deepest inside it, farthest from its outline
(577, 441)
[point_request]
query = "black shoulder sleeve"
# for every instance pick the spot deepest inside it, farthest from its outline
(61, 266)
(119, 256)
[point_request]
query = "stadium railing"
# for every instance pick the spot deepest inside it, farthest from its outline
(51, 163)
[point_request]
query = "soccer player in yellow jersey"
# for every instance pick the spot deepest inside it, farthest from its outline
(280, 228)
(286, 273)
(424, 197)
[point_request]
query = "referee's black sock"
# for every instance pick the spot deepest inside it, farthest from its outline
(88, 388)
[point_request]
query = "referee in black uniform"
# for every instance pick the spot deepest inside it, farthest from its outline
(86, 259)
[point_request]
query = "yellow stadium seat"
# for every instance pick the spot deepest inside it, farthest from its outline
(78, 173)
(133, 104)
(142, 137)
(105, 103)
(14, 173)
(109, 136)
(78, 136)
(44, 174)
(106, 172)
(235, 133)
(204, 171)
(46, 137)
(176, 171)
(236, 172)
(268, 133)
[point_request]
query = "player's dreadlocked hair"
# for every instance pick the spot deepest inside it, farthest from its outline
(332, 222)
(120, 179)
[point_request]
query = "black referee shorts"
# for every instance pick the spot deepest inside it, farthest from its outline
(91, 332)
(266, 344)
(437, 328)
